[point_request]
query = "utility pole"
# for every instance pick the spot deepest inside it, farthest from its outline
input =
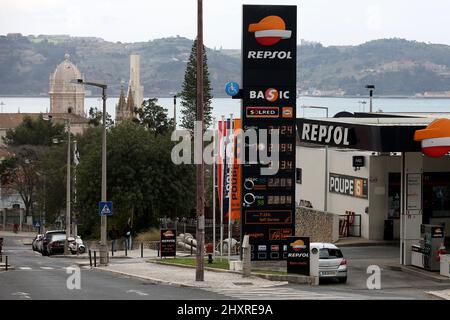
(103, 245)
(199, 271)
(68, 224)
(75, 159)
(175, 112)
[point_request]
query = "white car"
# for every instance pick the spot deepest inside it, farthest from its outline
(331, 261)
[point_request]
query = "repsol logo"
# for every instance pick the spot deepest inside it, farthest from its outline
(325, 134)
(298, 255)
(281, 55)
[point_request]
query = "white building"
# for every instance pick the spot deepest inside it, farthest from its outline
(369, 170)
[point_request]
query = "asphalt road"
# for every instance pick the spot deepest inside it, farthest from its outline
(42, 278)
(395, 284)
(38, 277)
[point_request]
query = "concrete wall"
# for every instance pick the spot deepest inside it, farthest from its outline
(340, 162)
(312, 163)
(318, 225)
(380, 167)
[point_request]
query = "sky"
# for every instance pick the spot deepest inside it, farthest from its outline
(331, 22)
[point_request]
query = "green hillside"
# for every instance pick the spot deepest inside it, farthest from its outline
(395, 66)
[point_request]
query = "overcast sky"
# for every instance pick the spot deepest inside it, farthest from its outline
(331, 22)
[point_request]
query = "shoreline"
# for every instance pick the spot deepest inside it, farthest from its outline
(227, 97)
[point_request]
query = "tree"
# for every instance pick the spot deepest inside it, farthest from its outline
(189, 92)
(96, 118)
(19, 174)
(153, 117)
(34, 132)
(143, 182)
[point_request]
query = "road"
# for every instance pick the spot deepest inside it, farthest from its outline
(43, 278)
(38, 277)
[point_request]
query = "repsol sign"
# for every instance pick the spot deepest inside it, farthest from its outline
(329, 134)
(348, 185)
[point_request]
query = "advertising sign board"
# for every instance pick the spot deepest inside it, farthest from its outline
(168, 244)
(269, 79)
(298, 257)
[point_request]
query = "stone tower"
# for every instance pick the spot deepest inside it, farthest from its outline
(66, 97)
(122, 111)
(134, 87)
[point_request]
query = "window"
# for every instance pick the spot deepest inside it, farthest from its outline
(298, 175)
(330, 254)
(436, 195)
(394, 195)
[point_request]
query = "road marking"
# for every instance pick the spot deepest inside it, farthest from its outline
(47, 268)
(24, 268)
(137, 292)
(274, 293)
(21, 295)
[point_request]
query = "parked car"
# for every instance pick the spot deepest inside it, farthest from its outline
(37, 241)
(331, 262)
(48, 246)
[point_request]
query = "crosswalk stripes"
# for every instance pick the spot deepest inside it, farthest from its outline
(274, 293)
(41, 268)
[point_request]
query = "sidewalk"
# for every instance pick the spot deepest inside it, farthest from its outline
(185, 277)
(443, 294)
(131, 254)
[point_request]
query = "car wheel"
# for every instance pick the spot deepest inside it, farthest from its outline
(342, 280)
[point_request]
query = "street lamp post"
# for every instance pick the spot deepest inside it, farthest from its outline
(325, 199)
(68, 224)
(371, 88)
(103, 244)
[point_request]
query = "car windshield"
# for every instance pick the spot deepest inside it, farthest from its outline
(58, 237)
(330, 254)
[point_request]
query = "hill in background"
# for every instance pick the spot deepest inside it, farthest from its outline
(395, 66)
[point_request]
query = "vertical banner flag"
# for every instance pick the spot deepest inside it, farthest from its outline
(227, 179)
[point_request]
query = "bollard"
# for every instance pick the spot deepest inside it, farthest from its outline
(95, 259)
(142, 249)
(1, 257)
(90, 258)
(192, 241)
(126, 252)
(159, 247)
(112, 248)
(6, 263)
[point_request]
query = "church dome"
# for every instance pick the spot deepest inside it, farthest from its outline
(65, 72)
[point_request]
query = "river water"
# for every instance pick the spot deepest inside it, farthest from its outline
(225, 106)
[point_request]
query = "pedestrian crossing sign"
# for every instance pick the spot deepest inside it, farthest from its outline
(105, 208)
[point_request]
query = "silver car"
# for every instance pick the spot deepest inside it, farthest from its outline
(331, 262)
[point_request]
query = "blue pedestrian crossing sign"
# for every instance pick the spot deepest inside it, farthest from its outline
(105, 208)
(37, 224)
